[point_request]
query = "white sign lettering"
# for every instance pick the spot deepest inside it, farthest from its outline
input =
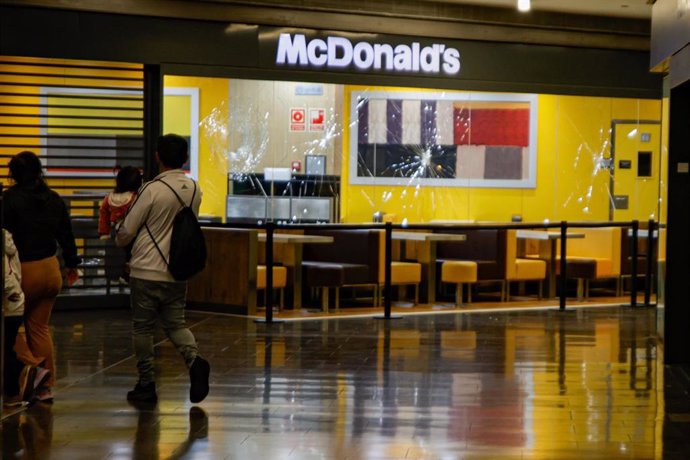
(340, 53)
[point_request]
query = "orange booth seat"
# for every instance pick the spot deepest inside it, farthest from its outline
(596, 256)
(487, 255)
(521, 269)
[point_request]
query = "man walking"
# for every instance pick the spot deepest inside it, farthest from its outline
(155, 294)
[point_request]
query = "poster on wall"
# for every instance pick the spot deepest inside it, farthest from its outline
(443, 139)
(298, 119)
(317, 119)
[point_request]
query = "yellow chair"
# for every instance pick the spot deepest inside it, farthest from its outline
(521, 269)
(279, 281)
(459, 272)
(402, 273)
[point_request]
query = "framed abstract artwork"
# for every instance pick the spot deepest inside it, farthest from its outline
(443, 139)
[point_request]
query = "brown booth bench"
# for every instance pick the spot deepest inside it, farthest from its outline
(351, 260)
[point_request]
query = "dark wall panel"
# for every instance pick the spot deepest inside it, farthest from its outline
(222, 49)
(677, 313)
(148, 40)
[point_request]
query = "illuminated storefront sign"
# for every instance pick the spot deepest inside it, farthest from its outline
(336, 53)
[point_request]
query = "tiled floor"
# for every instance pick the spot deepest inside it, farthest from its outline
(496, 385)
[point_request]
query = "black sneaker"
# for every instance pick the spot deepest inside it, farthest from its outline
(198, 377)
(143, 393)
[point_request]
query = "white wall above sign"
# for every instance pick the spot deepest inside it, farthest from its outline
(340, 53)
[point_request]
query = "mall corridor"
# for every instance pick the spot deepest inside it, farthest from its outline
(584, 384)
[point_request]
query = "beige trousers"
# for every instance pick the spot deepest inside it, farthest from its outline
(41, 283)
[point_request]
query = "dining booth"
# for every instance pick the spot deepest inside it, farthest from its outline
(312, 266)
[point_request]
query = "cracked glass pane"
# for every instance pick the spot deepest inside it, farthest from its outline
(317, 152)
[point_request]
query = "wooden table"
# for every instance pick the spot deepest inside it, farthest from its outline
(428, 258)
(294, 261)
(547, 251)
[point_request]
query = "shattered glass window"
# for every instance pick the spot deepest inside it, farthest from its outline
(318, 152)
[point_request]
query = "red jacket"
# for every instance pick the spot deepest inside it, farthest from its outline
(113, 209)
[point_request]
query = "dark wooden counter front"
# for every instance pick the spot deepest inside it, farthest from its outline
(228, 283)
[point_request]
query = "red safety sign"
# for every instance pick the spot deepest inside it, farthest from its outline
(298, 119)
(317, 119)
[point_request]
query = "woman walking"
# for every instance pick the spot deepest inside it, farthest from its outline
(38, 219)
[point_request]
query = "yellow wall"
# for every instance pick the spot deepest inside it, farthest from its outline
(573, 132)
(212, 168)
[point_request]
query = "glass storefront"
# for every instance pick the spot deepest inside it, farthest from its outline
(414, 155)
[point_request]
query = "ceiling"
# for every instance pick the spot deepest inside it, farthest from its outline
(577, 23)
(616, 8)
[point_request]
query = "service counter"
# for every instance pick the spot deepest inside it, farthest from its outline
(228, 283)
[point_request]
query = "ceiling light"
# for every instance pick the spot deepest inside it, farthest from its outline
(523, 5)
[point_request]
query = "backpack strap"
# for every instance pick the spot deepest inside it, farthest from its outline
(156, 245)
(181, 203)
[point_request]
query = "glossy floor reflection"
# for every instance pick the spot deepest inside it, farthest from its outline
(541, 384)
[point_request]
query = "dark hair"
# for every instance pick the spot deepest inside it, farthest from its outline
(128, 179)
(26, 169)
(172, 150)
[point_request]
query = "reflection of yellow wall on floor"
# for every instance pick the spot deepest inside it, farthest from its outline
(573, 132)
(556, 414)
(212, 168)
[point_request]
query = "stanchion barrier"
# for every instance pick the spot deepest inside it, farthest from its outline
(563, 266)
(388, 227)
(387, 287)
(633, 259)
(268, 293)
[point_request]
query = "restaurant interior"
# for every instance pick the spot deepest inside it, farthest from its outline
(479, 190)
(484, 179)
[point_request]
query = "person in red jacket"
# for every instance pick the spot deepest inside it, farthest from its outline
(116, 203)
(115, 206)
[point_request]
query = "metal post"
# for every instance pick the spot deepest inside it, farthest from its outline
(387, 287)
(269, 272)
(563, 266)
(269, 277)
(651, 242)
(633, 268)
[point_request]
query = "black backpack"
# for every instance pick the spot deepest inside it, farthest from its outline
(187, 245)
